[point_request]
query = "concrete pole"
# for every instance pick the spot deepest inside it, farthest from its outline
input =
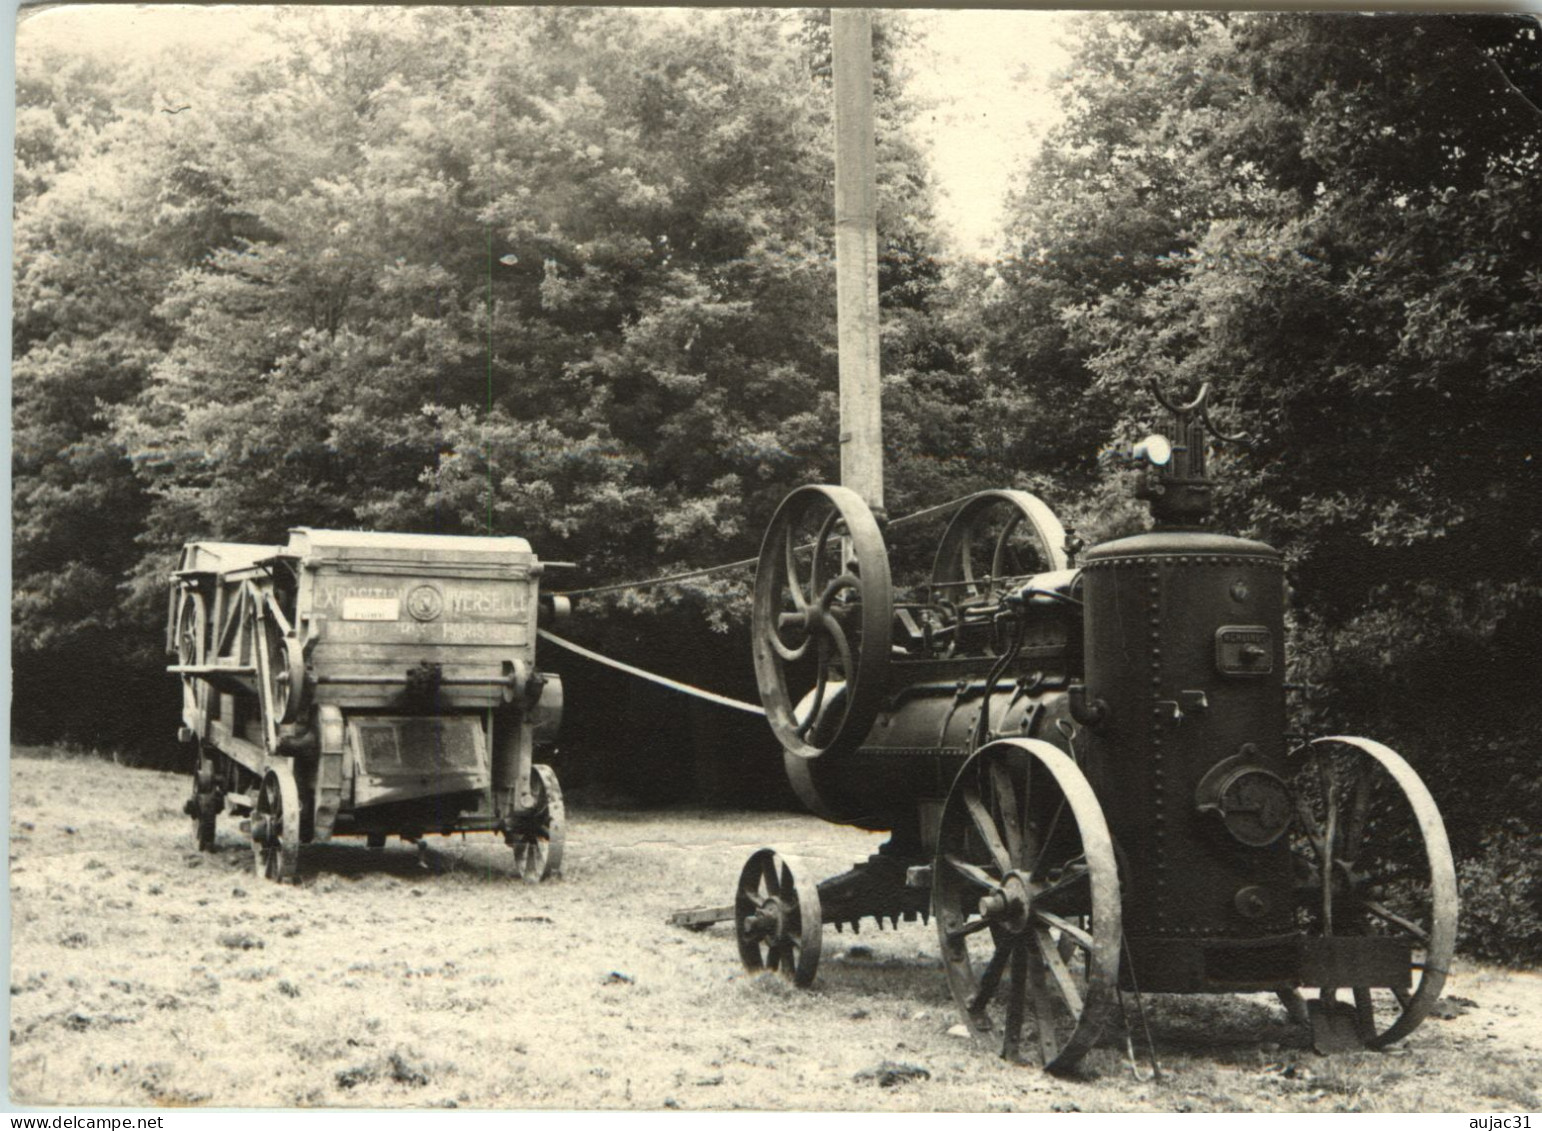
(856, 256)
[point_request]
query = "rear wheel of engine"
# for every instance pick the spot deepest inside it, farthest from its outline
(1373, 860)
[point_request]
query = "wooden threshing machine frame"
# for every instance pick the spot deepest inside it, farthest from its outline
(367, 684)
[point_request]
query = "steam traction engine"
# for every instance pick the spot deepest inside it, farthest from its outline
(1086, 772)
(357, 684)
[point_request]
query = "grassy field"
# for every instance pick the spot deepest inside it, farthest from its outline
(145, 974)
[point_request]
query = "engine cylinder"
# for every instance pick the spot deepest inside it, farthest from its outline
(1185, 659)
(899, 777)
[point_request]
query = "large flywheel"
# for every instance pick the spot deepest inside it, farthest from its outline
(994, 539)
(1025, 890)
(822, 621)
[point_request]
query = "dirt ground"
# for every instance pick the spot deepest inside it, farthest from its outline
(145, 974)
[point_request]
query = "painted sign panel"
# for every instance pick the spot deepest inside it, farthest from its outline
(426, 603)
(370, 608)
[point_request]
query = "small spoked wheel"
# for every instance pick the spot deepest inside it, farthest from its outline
(777, 920)
(821, 628)
(192, 628)
(275, 825)
(192, 636)
(1372, 859)
(285, 674)
(539, 842)
(205, 804)
(1025, 890)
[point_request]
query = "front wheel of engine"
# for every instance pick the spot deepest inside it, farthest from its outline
(1025, 891)
(777, 920)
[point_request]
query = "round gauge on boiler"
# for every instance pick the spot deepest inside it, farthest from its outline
(1256, 806)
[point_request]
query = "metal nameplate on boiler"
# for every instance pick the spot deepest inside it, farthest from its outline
(1244, 649)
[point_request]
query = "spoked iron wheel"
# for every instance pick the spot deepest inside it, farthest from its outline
(821, 621)
(1025, 890)
(995, 538)
(205, 804)
(1372, 858)
(192, 644)
(285, 673)
(275, 825)
(538, 846)
(777, 920)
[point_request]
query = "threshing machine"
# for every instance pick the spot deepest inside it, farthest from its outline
(363, 684)
(1084, 765)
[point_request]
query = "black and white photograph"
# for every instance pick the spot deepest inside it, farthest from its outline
(767, 559)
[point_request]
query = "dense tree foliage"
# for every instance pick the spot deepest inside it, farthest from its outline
(1334, 220)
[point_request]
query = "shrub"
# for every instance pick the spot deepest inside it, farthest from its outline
(1501, 889)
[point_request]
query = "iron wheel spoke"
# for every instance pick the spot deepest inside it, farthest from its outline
(785, 652)
(1067, 928)
(1000, 568)
(820, 541)
(1006, 803)
(1330, 844)
(1043, 1012)
(1049, 838)
(837, 636)
(790, 558)
(822, 680)
(973, 873)
(1017, 1002)
(966, 567)
(771, 882)
(964, 930)
(1360, 804)
(990, 979)
(1060, 885)
(1311, 829)
(986, 826)
(1055, 963)
(1394, 918)
(846, 580)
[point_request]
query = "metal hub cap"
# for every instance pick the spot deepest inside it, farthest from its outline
(1008, 905)
(768, 921)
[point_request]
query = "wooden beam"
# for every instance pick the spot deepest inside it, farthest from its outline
(856, 256)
